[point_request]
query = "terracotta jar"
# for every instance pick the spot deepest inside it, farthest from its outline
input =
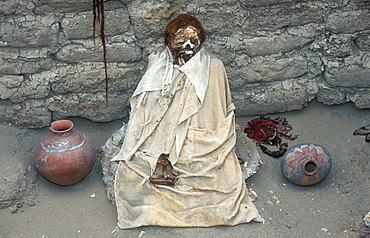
(65, 156)
(306, 164)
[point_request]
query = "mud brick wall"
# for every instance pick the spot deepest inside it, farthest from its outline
(279, 54)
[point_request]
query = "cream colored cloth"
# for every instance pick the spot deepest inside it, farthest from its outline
(190, 117)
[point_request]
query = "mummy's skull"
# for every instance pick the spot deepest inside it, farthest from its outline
(185, 44)
(184, 35)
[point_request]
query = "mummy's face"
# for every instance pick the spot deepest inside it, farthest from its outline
(185, 44)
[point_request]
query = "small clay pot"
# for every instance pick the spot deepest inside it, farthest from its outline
(65, 156)
(306, 164)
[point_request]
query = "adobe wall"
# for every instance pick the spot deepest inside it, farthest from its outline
(279, 54)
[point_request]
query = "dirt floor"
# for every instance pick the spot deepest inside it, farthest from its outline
(333, 208)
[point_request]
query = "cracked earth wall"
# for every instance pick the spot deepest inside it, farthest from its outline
(279, 55)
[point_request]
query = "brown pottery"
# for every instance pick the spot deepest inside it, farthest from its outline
(65, 156)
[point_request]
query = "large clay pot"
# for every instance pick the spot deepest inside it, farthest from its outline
(306, 164)
(65, 156)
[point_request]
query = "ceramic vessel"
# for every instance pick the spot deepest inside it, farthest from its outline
(65, 156)
(306, 164)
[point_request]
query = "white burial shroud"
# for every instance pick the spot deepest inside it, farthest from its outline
(187, 113)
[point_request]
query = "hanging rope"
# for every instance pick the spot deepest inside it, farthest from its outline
(98, 10)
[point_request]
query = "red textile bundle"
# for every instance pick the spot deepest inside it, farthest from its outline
(261, 129)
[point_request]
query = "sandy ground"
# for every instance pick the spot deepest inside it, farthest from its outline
(333, 208)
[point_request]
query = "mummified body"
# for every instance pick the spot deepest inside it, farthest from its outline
(184, 36)
(181, 133)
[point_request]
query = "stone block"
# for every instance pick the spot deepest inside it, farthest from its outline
(8, 7)
(254, 3)
(348, 22)
(361, 99)
(16, 7)
(90, 106)
(80, 25)
(315, 65)
(308, 30)
(29, 114)
(125, 1)
(221, 47)
(363, 42)
(260, 46)
(11, 81)
(348, 76)
(213, 3)
(270, 98)
(149, 18)
(329, 95)
(339, 45)
(262, 70)
(24, 60)
(90, 78)
(88, 52)
(51, 6)
(280, 16)
(9, 85)
(366, 60)
(35, 86)
(29, 31)
(229, 18)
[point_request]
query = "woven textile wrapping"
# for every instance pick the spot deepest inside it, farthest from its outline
(187, 113)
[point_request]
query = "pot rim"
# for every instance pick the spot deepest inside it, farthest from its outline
(312, 161)
(61, 126)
